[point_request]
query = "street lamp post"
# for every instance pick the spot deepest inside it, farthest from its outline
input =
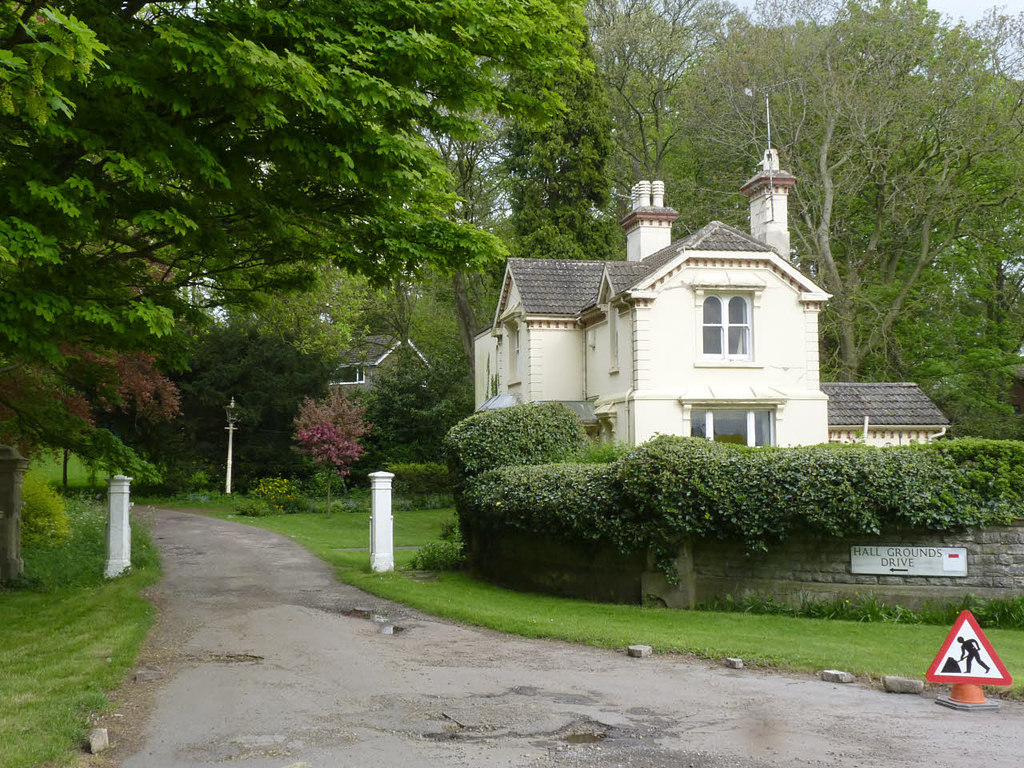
(232, 418)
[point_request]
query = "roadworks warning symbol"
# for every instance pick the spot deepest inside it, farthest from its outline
(967, 657)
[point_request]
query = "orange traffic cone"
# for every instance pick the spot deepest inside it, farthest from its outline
(967, 696)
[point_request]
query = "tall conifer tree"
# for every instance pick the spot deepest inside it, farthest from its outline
(558, 174)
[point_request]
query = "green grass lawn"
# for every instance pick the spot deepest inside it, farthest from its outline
(80, 476)
(67, 636)
(871, 649)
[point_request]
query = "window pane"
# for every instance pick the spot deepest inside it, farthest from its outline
(731, 427)
(698, 421)
(712, 341)
(712, 310)
(738, 341)
(762, 427)
(738, 310)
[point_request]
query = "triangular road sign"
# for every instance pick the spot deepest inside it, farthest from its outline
(967, 657)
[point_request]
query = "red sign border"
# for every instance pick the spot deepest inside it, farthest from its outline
(934, 676)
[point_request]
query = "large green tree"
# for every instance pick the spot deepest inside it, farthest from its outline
(167, 155)
(906, 137)
(646, 52)
(558, 179)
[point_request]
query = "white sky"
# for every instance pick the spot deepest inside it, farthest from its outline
(972, 10)
(969, 10)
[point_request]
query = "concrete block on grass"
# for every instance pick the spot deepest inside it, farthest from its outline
(639, 651)
(98, 740)
(734, 663)
(895, 684)
(836, 676)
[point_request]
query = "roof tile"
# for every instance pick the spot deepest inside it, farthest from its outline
(885, 404)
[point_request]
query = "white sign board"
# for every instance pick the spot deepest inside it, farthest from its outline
(908, 560)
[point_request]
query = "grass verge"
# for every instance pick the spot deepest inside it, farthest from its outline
(871, 649)
(80, 475)
(67, 636)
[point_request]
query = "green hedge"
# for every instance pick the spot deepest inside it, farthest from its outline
(538, 433)
(420, 479)
(992, 466)
(673, 487)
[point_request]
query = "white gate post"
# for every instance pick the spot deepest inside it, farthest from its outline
(382, 550)
(119, 531)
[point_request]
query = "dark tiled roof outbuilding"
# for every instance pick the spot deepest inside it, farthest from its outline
(885, 404)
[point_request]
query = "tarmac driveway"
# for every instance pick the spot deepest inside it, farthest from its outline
(262, 659)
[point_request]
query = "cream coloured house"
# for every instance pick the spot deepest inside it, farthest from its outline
(713, 335)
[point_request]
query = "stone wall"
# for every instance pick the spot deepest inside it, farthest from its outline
(544, 564)
(802, 568)
(819, 568)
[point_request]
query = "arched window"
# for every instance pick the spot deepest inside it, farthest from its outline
(726, 327)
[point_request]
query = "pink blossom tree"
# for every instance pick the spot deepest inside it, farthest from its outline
(328, 431)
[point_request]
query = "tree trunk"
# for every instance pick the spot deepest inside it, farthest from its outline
(465, 315)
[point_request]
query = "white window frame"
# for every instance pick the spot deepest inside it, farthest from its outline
(709, 423)
(725, 325)
(613, 339)
(360, 377)
(514, 350)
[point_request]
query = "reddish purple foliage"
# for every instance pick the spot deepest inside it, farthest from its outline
(328, 430)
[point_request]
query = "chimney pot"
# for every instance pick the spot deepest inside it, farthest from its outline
(648, 227)
(644, 194)
(658, 194)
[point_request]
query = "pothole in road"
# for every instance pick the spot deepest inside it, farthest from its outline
(382, 621)
(234, 658)
(586, 737)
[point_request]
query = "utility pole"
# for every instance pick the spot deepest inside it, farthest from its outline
(232, 418)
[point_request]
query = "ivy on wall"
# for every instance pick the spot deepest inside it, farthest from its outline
(672, 487)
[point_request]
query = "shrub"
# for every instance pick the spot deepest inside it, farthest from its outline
(991, 466)
(601, 453)
(675, 487)
(420, 479)
(44, 515)
(439, 556)
(280, 494)
(537, 433)
(444, 555)
(578, 501)
(253, 508)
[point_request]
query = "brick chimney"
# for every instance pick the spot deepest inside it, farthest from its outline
(649, 225)
(768, 192)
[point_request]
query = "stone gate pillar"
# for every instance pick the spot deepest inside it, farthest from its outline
(382, 550)
(119, 530)
(12, 469)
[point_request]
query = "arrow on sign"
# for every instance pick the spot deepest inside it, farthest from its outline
(967, 656)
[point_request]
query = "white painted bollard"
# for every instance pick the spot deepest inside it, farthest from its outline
(382, 550)
(119, 531)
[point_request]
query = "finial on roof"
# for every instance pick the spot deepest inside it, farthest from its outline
(770, 161)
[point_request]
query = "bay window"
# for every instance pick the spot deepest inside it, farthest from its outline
(740, 427)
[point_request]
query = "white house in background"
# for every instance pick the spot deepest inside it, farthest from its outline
(363, 361)
(713, 335)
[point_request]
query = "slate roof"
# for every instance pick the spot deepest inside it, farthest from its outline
(556, 286)
(371, 350)
(715, 236)
(566, 286)
(889, 404)
(625, 274)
